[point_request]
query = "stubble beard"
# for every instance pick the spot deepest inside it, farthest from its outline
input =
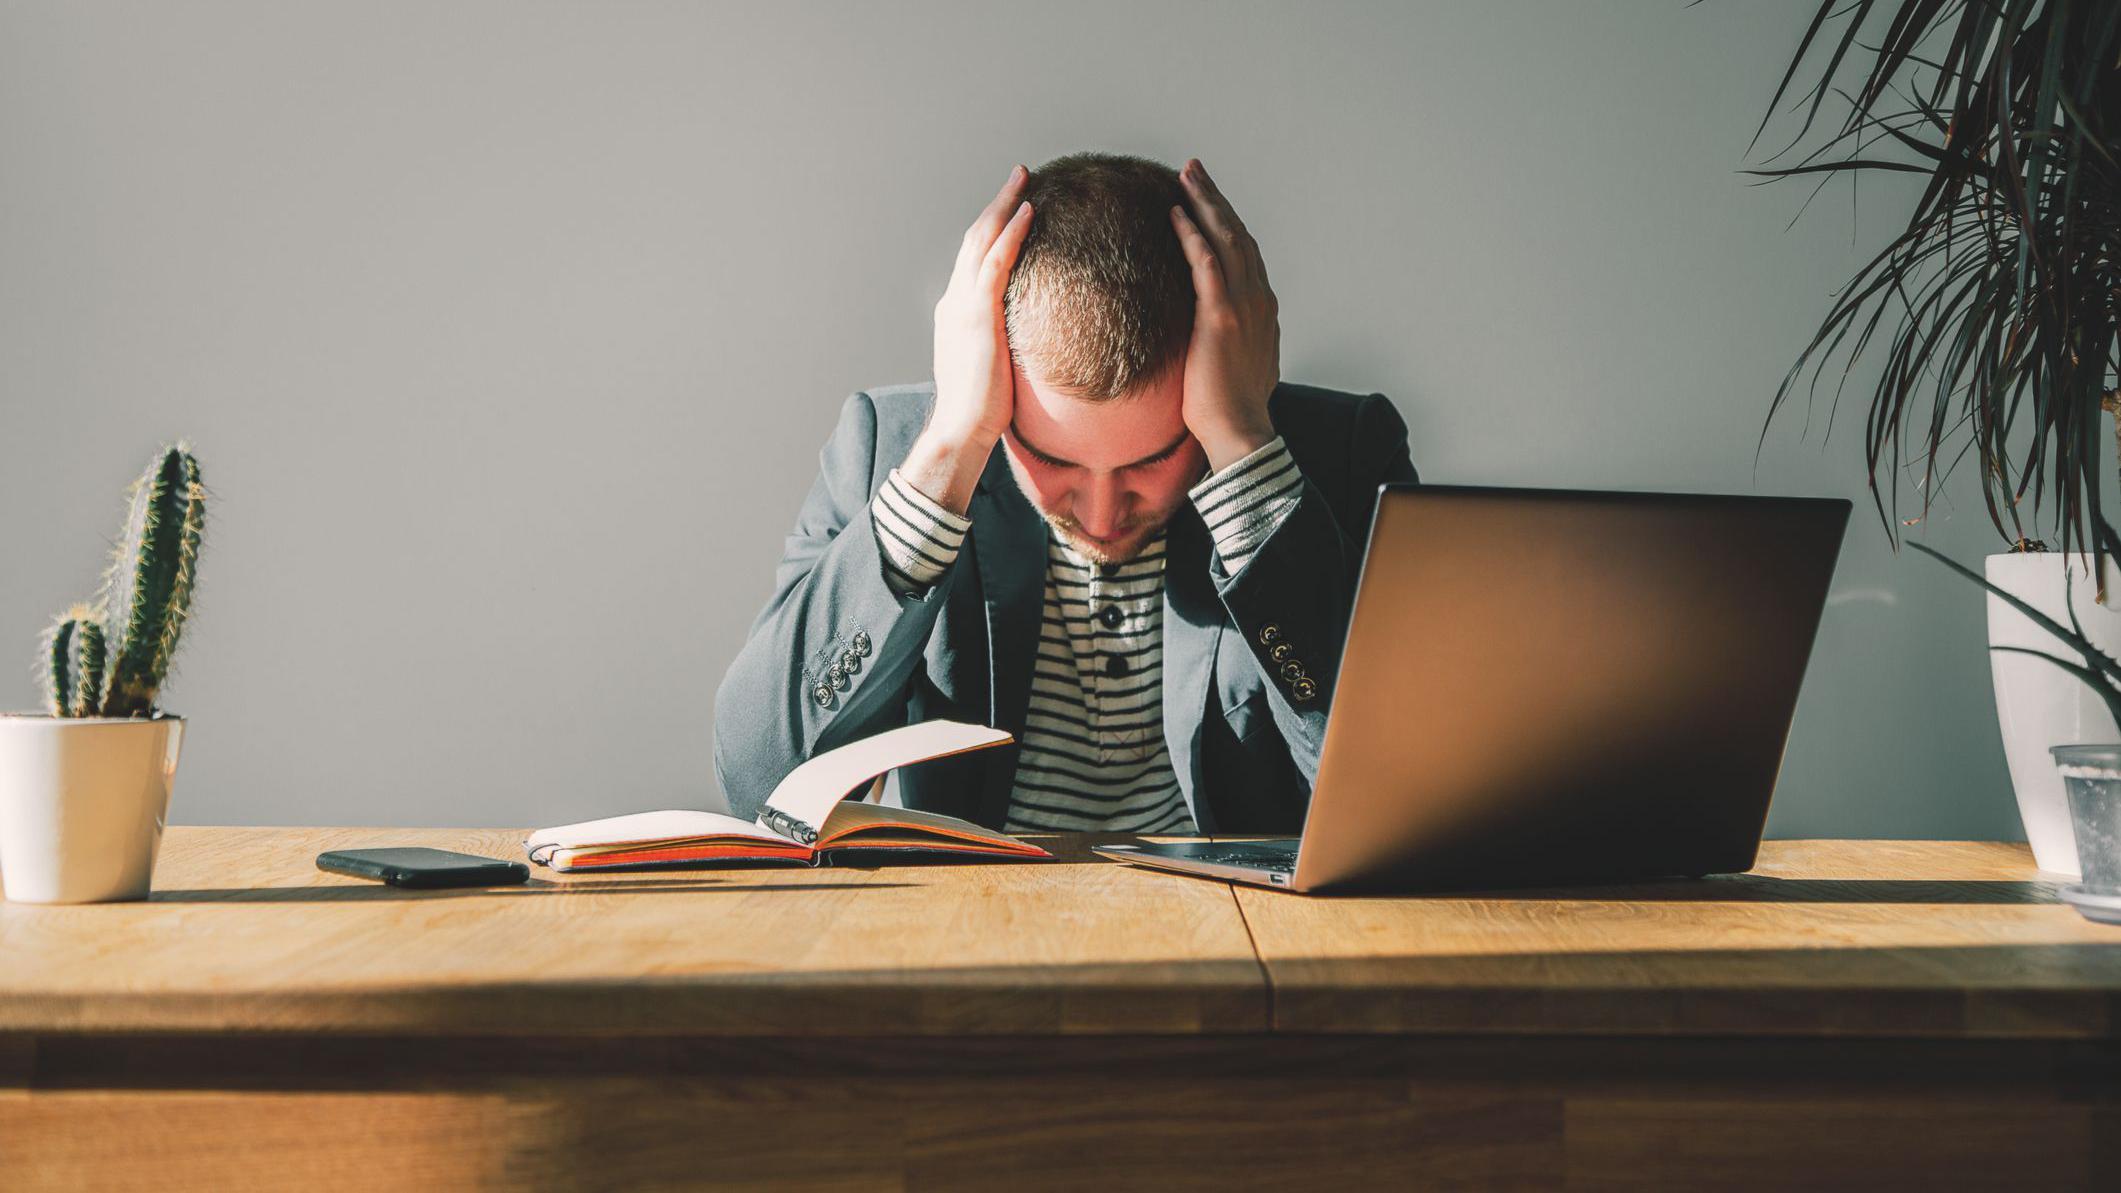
(1138, 536)
(1069, 531)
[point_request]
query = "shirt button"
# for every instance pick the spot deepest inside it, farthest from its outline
(1115, 665)
(1108, 570)
(1110, 615)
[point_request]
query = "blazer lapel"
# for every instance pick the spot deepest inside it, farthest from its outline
(1193, 628)
(1008, 541)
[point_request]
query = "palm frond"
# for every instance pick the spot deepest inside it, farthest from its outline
(1998, 306)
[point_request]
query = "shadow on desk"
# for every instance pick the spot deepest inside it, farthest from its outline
(1737, 888)
(1764, 888)
(1069, 849)
(1716, 888)
(536, 886)
(1075, 849)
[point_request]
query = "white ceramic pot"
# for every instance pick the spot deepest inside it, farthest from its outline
(82, 803)
(2039, 705)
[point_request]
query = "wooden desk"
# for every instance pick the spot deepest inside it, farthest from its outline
(1889, 1014)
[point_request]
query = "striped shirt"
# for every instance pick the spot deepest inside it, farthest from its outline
(1092, 756)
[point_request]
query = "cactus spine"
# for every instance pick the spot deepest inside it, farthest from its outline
(111, 659)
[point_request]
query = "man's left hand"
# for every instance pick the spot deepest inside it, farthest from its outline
(1234, 358)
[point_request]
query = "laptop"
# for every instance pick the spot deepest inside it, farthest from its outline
(1545, 686)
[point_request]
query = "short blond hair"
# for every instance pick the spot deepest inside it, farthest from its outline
(1101, 298)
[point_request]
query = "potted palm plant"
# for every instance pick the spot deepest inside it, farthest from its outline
(1998, 304)
(84, 787)
(2090, 773)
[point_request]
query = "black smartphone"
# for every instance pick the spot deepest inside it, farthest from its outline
(421, 867)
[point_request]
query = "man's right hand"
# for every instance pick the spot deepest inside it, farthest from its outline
(975, 387)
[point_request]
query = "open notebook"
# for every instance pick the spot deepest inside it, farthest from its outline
(806, 820)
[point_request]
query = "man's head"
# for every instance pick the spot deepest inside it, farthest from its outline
(1099, 309)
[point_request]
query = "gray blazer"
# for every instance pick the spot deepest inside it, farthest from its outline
(1243, 730)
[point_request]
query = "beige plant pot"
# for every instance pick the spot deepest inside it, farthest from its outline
(82, 804)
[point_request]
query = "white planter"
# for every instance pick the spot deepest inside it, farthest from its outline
(2040, 706)
(82, 802)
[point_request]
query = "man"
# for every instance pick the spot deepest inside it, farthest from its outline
(1107, 527)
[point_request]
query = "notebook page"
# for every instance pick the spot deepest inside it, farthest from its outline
(852, 817)
(809, 793)
(641, 827)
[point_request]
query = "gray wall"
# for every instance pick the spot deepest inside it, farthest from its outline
(508, 334)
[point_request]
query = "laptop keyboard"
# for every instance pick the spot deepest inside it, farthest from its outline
(1256, 859)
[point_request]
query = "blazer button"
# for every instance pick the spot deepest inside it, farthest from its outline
(1110, 616)
(1292, 670)
(1115, 666)
(1279, 652)
(1303, 689)
(1269, 634)
(850, 662)
(861, 643)
(822, 694)
(836, 677)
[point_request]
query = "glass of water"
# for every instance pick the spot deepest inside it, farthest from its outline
(2092, 776)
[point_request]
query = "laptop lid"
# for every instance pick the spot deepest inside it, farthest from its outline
(1547, 685)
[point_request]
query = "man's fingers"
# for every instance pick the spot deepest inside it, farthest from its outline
(1213, 208)
(1223, 205)
(1244, 250)
(1001, 256)
(996, 213)
(1207, 269)
(1207, 180)
(980, 236)
(1212, 212)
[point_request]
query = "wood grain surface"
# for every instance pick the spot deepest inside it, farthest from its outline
(243, 933)
(1850, 1015)
(1256, 1111)
(1862, 938)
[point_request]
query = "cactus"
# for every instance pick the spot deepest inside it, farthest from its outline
(57, 669)
(111, 659)
(147, 592)
(73, 663)
(87, 661)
